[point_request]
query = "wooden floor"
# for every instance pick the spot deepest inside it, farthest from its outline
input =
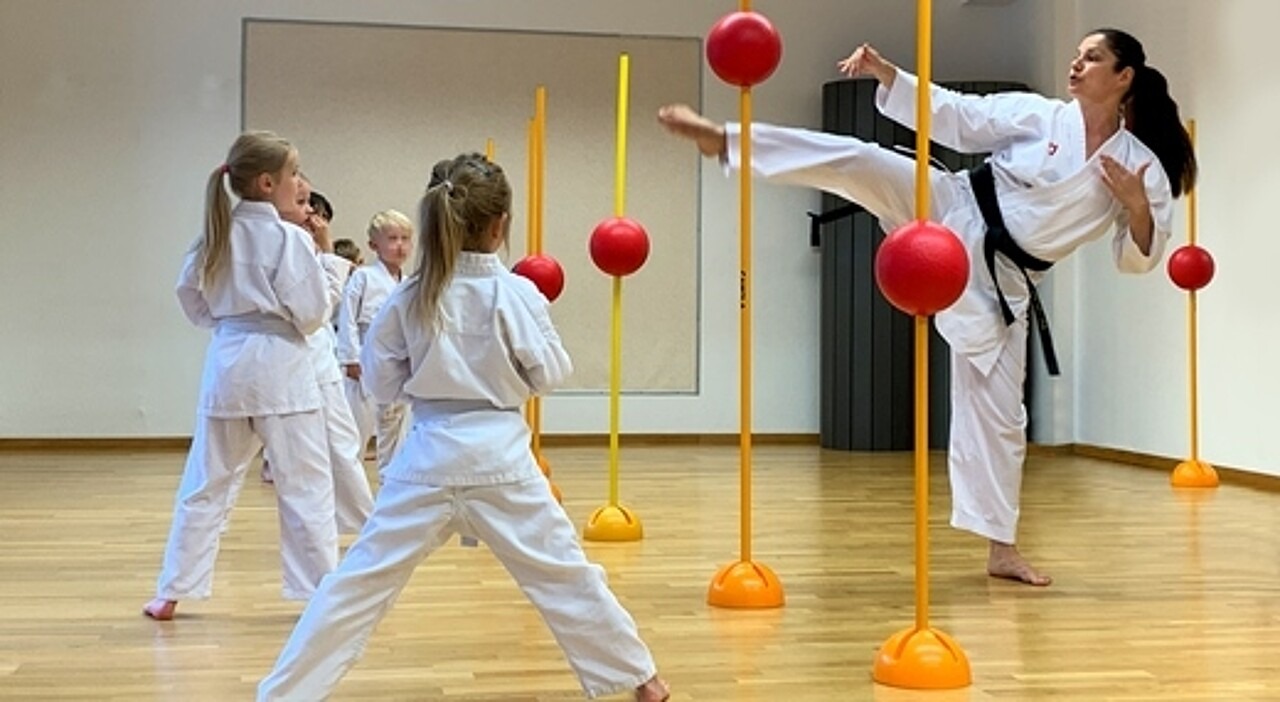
(1158, 596)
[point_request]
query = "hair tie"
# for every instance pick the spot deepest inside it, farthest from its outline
(448, 186)
(225, 169)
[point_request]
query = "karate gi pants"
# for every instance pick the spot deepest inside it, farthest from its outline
(220, 453)
(385, 423)
(526, 530)
(352, 496)
(988, 441)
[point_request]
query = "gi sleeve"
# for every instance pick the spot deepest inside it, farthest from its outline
(968, 123)
(348, 344)
(384, 360)
(299, 282)
(336, 271)
(535, 344)
(190, 298)
(1129, 258)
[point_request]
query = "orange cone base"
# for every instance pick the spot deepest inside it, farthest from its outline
(922, 659)
(1194, 474)
(745, 585)
(613, 523)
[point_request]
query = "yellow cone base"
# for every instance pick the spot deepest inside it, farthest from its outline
(745, 585)
(613, 523)
(1194, 474)
(922, 659)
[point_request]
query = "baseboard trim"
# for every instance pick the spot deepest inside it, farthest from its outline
(1226, 474)
(139, 444)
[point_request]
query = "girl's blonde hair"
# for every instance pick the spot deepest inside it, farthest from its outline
(466, 194)
(252, 154)
(389, 219)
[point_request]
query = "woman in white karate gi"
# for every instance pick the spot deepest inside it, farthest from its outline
(467, 342)
(255, 280)
(1064, 173)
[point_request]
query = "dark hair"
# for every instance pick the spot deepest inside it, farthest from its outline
(1150, 112)
(347, 249)
(321, 205)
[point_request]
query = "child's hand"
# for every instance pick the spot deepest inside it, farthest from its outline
(319, 228)
(352, 370)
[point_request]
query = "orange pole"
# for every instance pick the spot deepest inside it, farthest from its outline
(744, 316)
(924, 39)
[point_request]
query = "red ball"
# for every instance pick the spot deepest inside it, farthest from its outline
(544, 271)
(1191, 267)
(619, 246)
(743, 48)
(922, 268)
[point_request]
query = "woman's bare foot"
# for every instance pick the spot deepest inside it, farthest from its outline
(653, 690)
(683, 121)
(160, 609)
(1004, 561)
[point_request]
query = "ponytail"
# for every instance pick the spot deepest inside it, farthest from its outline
(252, 154)
(464, 196)
(1151, 113)
(215, 246)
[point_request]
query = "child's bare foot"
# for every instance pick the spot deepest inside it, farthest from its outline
(683, 121)
(160, 609)
(1004, 561)
(653, 690)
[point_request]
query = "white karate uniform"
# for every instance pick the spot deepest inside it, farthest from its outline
(1053, 200)
(258, 388)
(466, 467)
(365, 293)
(352, 496)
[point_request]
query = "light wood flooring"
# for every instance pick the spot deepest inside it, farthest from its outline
(1159, 595)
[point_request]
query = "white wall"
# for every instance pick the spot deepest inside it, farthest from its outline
(1130, 377)
(113, 111)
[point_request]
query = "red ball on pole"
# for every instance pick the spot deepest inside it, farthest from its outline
(1191, 267)
(922, 268)
(544, 271)
(619, 246)
(743, 48)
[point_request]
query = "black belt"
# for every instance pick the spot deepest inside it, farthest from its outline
(998, 239)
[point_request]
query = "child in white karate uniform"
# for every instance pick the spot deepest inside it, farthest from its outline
(255, 280)
(352, 496)
(391, 239)
(468, 342)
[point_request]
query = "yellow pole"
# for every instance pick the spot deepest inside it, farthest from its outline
(620, 159)
(535, 247)
(619, 209)
(1192, 335)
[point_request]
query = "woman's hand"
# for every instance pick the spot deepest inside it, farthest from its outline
(866, 61)
(1129, 189)
(1127, 186)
